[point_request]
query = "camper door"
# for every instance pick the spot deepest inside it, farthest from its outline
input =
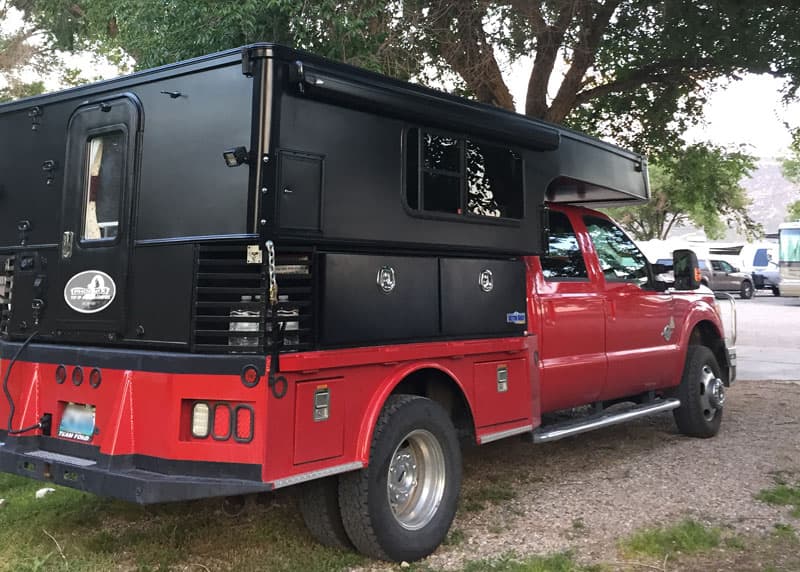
(96, 218)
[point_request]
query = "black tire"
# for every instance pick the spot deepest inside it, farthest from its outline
(319, 505)
(372, 524)
(746, 290)
(695, 417)
(776, 291)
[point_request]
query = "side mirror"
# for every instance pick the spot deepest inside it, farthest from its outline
(686, 270)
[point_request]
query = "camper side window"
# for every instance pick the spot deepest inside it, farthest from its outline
(460, 176)
(105, 170)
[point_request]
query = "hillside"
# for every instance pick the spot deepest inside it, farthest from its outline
(770, 193)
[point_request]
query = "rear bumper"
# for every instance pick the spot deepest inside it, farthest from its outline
(133, 478)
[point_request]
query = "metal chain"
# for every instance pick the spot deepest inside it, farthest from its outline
(273, 283)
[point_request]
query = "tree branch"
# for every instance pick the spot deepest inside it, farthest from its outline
(591, 34)
(674, 71)
(467, 50)
(548, 42)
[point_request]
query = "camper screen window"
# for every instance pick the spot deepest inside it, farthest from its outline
(103, 192)
(446, 174)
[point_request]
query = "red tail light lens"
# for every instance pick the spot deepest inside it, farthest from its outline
(222, 422)
(245, 423)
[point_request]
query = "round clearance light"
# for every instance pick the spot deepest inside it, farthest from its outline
(95, 378)
(61, 374)
(250, 376)
(77, 376)
(200, 415)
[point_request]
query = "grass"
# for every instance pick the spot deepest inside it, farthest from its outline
(562, 562)
(686, 537)
(784, 494)
(101, 534)
(496, 491)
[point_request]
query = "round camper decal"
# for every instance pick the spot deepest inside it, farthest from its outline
(90, 292)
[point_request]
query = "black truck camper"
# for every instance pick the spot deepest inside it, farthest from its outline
(154, 211)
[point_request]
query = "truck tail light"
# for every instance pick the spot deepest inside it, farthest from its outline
(222, 422)
(200, 418)
(61, 374)
(245, 424)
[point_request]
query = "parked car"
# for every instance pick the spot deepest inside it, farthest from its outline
(719, 275)
(724, 277)
(768, 278)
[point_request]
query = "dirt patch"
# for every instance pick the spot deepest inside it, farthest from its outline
(587, 492)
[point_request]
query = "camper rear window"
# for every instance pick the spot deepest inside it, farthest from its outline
(459, 176)
(105, 167)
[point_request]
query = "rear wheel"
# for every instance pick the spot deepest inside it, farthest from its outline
(400, 507)
(746, 290)
(702, 394)
(776, 291)
(319, 505)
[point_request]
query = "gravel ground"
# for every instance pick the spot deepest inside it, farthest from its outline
(586, 492)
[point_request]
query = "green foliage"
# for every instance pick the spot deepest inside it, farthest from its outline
(700, 184)
(158, 32)
(636, 71)
(782, 494)
(793, 211)
(685, 537)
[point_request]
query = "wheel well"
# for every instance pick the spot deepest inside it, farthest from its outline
(440, 387)
(705, 334)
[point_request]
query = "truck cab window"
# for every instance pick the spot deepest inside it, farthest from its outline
(105, 169)
(564, 259)
(620, 258)
(459, 176)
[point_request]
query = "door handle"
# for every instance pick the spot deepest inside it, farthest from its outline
(67, 241)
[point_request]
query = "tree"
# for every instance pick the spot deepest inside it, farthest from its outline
(793, 211)
(19, 52)
(699, 185)
(635, 70)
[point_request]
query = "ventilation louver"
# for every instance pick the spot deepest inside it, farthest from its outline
(231, 313)
(6, 288)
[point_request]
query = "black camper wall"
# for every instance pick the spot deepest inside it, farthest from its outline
(350, 174)
(178, 192)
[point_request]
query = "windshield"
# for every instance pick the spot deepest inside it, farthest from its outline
(790, 245)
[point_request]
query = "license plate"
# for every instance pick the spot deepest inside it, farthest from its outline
(77, 422)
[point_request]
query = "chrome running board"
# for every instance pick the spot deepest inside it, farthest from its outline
(569, 428)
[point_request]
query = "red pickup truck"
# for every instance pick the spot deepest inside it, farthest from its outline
(260, 268)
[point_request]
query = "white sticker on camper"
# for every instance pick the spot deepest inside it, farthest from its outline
(90, 292)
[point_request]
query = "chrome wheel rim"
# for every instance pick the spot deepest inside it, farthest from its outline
(416, 478)
(712, 393)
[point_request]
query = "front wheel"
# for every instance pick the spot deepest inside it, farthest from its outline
(701, 393)
(746, 291)
(401, 506)
(776, 291)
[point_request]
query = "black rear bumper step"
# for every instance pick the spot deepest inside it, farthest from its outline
(131, 484)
